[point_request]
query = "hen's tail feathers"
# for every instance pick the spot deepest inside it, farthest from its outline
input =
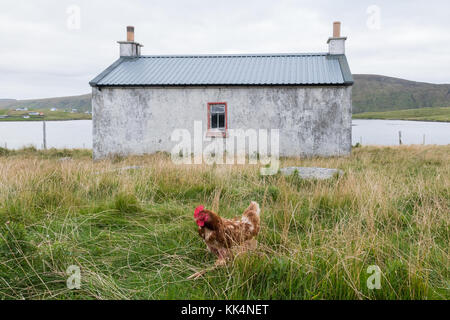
(254, 206)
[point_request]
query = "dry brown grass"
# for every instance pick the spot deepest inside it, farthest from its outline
(132, 232)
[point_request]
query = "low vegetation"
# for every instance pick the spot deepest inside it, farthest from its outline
(48, 115)
(128, 224)
(422, 114)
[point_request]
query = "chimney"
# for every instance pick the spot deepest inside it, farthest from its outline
(130, 34)
(130, 48)
(336, 29)
(336, 44)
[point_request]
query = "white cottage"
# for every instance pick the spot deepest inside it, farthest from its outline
(140, 100)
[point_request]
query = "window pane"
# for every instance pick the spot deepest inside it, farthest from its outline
(217, 108)
(222, 121)
(217, 116)
(214, 121)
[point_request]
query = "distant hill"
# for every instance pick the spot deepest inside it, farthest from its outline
(370, 93)
(6, 102)
(82, 103)
(380, 93)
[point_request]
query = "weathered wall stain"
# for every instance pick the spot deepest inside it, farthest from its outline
(313, 121)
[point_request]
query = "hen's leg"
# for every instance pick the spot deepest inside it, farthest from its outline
(221, 260)
(197, 274)
(223, 254)
(212, 250)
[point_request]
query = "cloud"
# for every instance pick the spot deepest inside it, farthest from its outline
(42, 57)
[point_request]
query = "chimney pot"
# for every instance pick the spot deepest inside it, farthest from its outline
(130, 34)
(336, 44)
(130, 48)
(336, 29)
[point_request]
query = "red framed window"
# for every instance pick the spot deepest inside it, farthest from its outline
(217, 119)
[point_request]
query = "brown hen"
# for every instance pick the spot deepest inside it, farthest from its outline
(222, 236)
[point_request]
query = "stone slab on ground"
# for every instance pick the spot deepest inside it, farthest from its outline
(312, 172)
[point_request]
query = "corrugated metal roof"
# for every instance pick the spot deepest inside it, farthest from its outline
(249, 69)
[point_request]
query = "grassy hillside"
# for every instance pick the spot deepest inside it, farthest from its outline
(380, 93)
(132, 231)
(82, 103)
(6, 102)
(422, 114)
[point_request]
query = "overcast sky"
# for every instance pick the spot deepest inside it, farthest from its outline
(47, 49)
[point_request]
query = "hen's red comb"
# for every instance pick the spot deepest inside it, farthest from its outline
(198, 210)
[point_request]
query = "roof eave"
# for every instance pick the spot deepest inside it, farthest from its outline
(229, 85)
(94, 82)
(345, 69)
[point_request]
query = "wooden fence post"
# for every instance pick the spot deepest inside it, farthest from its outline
(44, 134)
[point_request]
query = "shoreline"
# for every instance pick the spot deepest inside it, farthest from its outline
(417, 120)
(40, 120)
(353, 118)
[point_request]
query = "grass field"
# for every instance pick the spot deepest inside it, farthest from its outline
(422, 114)
(132, 231)
(49, 115)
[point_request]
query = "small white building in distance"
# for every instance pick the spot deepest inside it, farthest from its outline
(140, 100)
